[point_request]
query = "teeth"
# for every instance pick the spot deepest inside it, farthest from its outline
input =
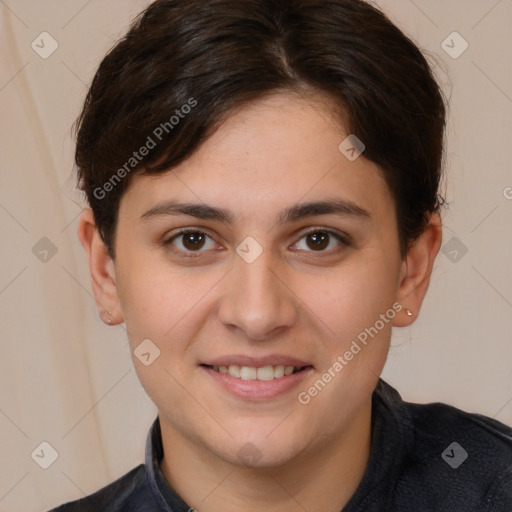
(268, 372)
(234, 371)
(278, 371)
(265, 373)
(247, 373)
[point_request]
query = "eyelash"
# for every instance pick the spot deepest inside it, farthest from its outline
(194, 254)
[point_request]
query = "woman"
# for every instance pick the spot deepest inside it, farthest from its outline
(263, 180)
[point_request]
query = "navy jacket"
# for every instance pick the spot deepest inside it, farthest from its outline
(424, 458)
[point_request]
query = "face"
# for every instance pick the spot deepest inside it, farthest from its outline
(261, 282)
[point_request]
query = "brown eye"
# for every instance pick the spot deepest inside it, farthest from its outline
(319, 240)
(190, 241)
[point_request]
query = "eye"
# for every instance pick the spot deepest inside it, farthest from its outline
(192, 241)
(320, 239)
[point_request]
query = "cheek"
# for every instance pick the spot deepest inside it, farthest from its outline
(351, 299)
(165, 307)
(155, 297)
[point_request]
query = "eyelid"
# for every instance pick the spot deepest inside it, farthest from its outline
(184, 231)
(342, 237)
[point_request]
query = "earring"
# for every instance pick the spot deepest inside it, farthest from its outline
(408, 312)
(108, 320)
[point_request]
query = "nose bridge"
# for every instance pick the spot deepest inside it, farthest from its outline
(257, 300)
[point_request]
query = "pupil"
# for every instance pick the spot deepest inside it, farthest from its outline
(319, 239)
(194, 239)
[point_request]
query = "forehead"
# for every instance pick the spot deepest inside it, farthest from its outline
(282, 149)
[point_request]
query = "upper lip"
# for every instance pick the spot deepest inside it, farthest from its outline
(256, 362)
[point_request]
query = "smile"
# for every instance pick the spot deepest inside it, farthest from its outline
(264, 373)
(257, 379)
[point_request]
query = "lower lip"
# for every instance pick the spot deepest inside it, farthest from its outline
(258, 389)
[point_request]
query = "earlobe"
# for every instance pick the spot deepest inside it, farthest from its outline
(102, 269)
(416, 270)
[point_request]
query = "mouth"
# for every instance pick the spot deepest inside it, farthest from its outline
(261, 373)
(257, 379)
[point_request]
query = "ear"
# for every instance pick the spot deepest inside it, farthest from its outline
(102, 269)
(416, 270)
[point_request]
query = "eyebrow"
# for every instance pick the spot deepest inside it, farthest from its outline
(339, 207)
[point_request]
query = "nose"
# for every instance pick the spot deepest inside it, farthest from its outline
(258, 299)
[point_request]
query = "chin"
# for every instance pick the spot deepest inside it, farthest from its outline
(260, 452)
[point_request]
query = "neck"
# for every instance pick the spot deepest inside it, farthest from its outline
(323, 478)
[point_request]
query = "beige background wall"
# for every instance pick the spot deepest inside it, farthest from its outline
(68, 380)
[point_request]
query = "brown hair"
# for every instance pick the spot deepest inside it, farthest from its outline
(185, 65)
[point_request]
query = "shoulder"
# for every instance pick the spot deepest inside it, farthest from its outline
(126, 494)
(459, 457)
